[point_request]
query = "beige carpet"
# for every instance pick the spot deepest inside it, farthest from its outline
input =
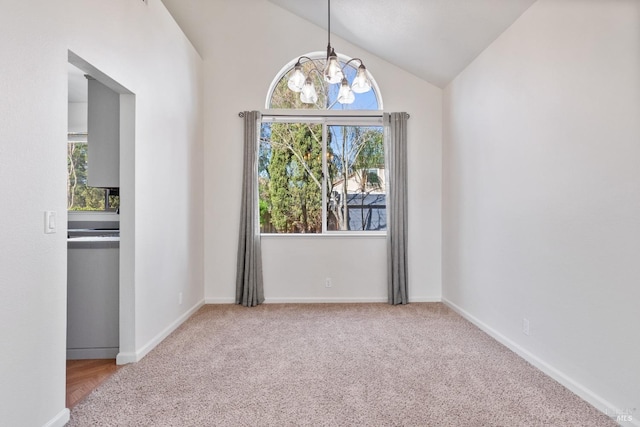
(332, 365)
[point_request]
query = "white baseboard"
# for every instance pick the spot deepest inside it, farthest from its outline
(425, 299)
(130, 357)
(219, 300)
(583, 392)
(318, 300)
(124, 358)
(59, 420)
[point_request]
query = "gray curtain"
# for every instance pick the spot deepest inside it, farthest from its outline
(395, 131)
(249, 288)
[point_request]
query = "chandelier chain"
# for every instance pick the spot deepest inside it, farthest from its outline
(328, 22)
(333, 73)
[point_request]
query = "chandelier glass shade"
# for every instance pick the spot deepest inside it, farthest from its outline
(332, 72)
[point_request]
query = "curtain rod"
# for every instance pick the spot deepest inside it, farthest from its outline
(241, 114)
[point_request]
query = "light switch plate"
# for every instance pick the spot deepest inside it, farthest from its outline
(49, 222)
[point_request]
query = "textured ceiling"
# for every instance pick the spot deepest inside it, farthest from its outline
(432, 39)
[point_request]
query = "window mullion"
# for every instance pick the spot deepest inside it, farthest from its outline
(325, 174)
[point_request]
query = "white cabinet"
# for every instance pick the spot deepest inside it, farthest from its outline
(103, 127)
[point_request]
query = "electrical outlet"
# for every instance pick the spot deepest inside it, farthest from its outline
(180, 298)
(328, 283)
(525, 326)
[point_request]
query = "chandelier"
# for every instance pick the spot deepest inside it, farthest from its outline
(333, 73)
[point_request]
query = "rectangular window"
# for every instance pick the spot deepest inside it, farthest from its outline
(321, 175)
(81, 197)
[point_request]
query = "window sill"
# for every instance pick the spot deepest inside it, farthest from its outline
(334, 235)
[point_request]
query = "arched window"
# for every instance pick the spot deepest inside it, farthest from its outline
(328, 96)
(322, 171)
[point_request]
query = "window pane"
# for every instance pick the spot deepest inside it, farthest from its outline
(284, 98)
(290, 178)
(81, 197)
(356, 198)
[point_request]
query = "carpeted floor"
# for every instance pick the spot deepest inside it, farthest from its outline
(332, 365)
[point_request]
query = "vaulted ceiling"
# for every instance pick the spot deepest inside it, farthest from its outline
(432, 39)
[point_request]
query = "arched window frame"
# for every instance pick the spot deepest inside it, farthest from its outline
(319, 55)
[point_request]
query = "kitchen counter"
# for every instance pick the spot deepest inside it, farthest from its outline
(83, 238)
(93, 242)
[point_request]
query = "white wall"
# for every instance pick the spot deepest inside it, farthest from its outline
(542, 193)
(141, 47)
(243, 53)
(77, 116)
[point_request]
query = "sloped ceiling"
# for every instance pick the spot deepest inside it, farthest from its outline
(432, 39)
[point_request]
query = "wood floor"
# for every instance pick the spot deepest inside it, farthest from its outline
(85, 375)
